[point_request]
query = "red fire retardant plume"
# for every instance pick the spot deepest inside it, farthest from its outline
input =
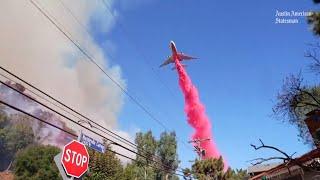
(195, 112)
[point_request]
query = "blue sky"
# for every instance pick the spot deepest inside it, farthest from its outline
(244, 58)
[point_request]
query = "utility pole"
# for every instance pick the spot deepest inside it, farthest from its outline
(197, 147)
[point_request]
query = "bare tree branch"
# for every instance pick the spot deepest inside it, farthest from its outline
(287, 159)
(313, 55)
(271, 147)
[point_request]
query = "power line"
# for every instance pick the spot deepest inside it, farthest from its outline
(73, 121)
(143, 58)
(72, 109)
(64, 105)
(91, 59)
(70, 133)
(137, 49)
(87, 31)
(121, 138)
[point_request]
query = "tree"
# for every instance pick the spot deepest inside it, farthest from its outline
(209, 168)
(36, 162)
(214, 169)
(158, 160)
(146, 146)
(241, 174)
(130, 172)
(14, 136)
(167, 151)
(104, 166)
(294, 101)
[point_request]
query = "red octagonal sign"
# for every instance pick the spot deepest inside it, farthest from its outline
(75, 159)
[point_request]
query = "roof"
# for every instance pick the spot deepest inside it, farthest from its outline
(262, 167)
(313, 112)
(302, 159)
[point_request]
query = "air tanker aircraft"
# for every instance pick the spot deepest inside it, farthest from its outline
(175, 54)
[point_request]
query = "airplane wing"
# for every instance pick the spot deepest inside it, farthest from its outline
(166, 62)
(186, 57)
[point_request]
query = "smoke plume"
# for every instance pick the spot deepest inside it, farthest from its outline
(32, 48)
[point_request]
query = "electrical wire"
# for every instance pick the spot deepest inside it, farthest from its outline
(92, 59)
(87, 31)
(75, 122)
(123, 140)
(72, 134)
(144, 58)
(64, 105)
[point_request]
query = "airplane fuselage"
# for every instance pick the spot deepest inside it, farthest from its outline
(174, 52)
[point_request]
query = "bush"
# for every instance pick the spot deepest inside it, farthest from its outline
(36, 162)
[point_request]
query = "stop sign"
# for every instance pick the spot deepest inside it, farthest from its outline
(75, 159)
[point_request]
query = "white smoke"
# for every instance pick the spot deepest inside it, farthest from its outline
(33, 48)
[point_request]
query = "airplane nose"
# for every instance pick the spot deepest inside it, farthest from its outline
(171, 44)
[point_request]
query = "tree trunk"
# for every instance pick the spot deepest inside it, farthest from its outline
(145, 173)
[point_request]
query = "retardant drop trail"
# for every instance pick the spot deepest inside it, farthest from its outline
(196, 115)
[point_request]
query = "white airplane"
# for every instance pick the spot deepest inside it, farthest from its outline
(175, 54)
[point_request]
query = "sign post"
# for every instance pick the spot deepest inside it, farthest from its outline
(63, 174)
(75, 159)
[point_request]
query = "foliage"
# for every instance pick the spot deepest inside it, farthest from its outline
(314, 21)
(36, 162)
(208, 168)
(146, 145)
(167, 151)
(159, 159)
(135, 171)
(240, 174)
(104, 166)
(14, 136)
(4, 121)
(130, 172)
(214, 169)
(17, 137)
